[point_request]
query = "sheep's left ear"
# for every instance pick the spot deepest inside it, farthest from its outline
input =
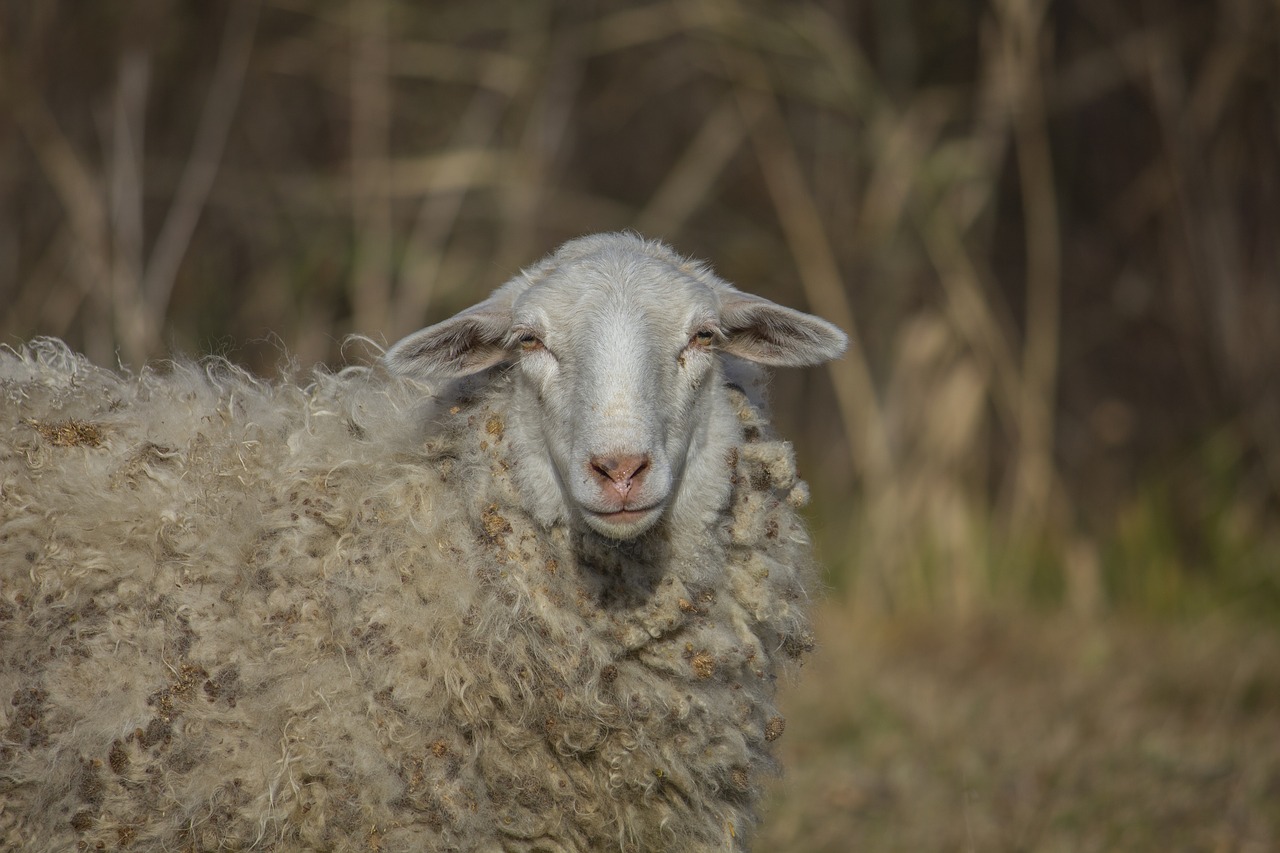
(466, 343)
(766, 333)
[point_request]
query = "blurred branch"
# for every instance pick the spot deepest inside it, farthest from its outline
(688, 184)
(72, 179)
(370, 155)
(547, 126)
(902, 146)
(441, 207)
(80, 193)
(202, 166)
(1203, 168)
(1023, 34)
(134, 333)
(109, 247)
(496, 71)
(815, 261)
(824, 288)
(47, 296)
(970, 312)
(628, 28)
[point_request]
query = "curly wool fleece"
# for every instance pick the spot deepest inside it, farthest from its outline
(240, 615)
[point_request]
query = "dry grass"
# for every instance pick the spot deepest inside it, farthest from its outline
(1035, 735)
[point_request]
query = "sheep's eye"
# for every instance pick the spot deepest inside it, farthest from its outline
(529, 342)
(703, 338)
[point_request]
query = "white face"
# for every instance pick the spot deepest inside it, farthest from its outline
(618, 344)
(618, 356)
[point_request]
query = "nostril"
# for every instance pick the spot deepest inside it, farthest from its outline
(622, 471)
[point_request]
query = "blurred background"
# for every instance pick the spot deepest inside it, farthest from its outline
(1046, 476)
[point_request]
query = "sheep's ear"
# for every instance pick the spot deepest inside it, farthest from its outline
(466, 343)
(761, 331)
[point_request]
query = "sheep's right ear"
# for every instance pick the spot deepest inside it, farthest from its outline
(765, 333)
(466, 343)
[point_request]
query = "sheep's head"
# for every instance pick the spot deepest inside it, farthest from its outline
(619, 345)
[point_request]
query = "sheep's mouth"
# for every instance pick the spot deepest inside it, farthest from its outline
(624, 523)
(627, 516)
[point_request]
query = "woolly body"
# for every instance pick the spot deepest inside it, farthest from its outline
(236, 615)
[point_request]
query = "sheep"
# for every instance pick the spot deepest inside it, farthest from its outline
(527, 583)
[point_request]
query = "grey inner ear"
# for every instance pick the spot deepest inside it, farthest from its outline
(469, 342)
(460, 346)
(760, 331)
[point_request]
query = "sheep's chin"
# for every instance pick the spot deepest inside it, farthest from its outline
(627, 524)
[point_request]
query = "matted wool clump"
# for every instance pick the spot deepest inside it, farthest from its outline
(247, 615)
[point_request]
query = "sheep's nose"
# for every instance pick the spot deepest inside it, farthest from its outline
(620, 472)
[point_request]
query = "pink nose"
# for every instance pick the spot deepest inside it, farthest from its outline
(620, 472)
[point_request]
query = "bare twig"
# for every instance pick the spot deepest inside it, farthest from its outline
(546, 127)
(370, 154)
(496, 71)
(441, 206)
(971, 314)
(206, 156)
(48, 296)
(823, 285)
(688, 183)
(80, 193)
(134, 334)
(77, 187)
(631, 27)
(909, 139)
(814, 258)
(1023, 30)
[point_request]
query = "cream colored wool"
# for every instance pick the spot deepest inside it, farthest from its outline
(241, 615)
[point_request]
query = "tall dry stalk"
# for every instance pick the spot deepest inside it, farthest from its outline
(1023, 33)
(370, 154)
(201, 169)
(811, 253)
(106, 213)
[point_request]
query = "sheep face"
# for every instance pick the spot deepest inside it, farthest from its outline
(618, 343)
